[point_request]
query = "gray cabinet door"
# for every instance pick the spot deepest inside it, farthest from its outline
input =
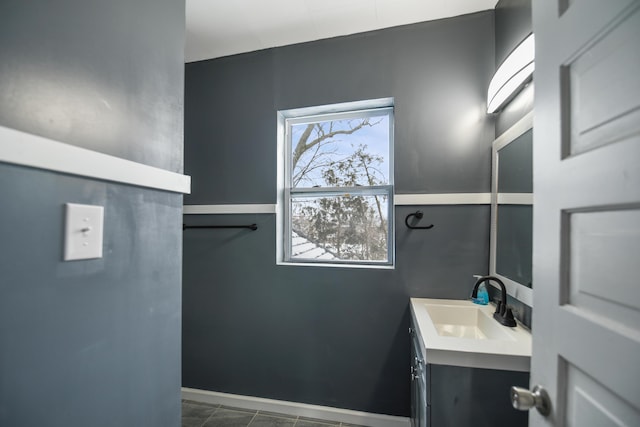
(419, 408)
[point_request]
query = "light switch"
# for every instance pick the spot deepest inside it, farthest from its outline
(83, 231)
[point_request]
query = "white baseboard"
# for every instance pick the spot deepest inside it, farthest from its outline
(295, 409)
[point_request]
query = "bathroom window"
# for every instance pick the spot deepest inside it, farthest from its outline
(337, 204)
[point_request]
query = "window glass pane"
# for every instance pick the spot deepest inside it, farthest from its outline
(340, 153)
(341, 227)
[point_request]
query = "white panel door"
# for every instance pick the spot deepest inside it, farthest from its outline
(586, 257)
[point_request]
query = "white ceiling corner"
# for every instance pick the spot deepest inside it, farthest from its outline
(218, 28)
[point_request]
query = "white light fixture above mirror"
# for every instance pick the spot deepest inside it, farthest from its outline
(512, 75)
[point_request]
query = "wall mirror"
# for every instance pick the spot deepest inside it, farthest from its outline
(512, 209)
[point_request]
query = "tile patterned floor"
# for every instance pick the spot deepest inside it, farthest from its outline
(196, 414)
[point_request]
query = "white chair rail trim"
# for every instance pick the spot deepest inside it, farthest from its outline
(229, 209)
(24, 149)
(443, 199)
(399, 200)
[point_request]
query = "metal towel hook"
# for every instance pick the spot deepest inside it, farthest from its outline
(419, 215)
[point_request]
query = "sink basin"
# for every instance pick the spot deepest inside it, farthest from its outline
(465, 322)
(460, 333)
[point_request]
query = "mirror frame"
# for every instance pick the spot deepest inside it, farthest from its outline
(515, 289)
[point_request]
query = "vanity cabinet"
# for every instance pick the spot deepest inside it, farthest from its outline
(474, 397)
(419, 392)
(446, 395)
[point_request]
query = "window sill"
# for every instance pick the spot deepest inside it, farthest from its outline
(322, 264)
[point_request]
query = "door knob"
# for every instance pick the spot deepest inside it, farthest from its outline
(523, 399)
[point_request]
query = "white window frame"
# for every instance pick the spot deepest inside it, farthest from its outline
(288, 118)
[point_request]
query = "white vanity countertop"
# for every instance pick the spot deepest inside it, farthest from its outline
(511, 351)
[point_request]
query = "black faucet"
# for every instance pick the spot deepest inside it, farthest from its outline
(503, 314)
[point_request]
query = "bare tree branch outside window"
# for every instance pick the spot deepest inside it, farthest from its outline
(348, 153)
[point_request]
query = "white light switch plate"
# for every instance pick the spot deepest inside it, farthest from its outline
(83, 231)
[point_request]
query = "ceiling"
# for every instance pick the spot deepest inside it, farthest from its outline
(218, 28)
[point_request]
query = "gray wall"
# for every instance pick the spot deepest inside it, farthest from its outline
(94, 342)
(513, 24)
(331, 336)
